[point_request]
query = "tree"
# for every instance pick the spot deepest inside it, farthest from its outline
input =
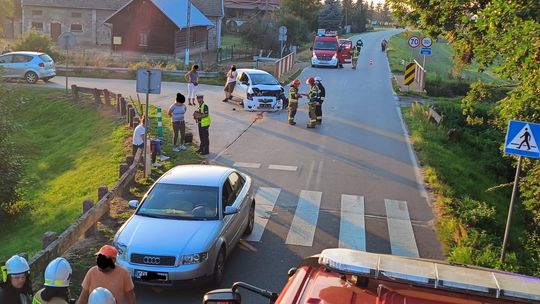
(261, 32)
(330, 16)
(297, 28)
(503, 35)
(308, 10)
(6, 12)
(358, 17)
(347, 7)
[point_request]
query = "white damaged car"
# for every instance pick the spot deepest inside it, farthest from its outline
(259, 91)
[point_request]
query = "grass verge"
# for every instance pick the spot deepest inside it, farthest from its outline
(71, 149)
(463, 176)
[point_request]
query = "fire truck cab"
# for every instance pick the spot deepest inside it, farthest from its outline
(338, 276)
(326, 49)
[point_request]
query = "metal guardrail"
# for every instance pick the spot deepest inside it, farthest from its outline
(420, 75)
(63, 68)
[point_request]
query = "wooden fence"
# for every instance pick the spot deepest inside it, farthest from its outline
(284, 65)
(53, 245)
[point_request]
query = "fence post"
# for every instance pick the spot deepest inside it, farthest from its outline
(87, 205)
(48, 238)
(130, 159)
(75, 91)
(102, 192)
(107, 97)
(97, 97)
(118, 97)
(131, 115)
(123, 106)
(123, 169)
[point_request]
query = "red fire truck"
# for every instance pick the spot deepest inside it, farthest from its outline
(339, 276)
(326, 50)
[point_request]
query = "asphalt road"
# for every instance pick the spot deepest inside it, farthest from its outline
(351, 182)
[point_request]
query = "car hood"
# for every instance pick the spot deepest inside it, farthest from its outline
(171, 237)
(324, 52)
(267, 87)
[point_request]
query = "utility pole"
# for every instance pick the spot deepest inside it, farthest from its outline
(188, 27)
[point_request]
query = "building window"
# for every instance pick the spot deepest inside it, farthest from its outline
(37, 13)
(76, 28)
(143, 38)
(38, 26)
(76, 15)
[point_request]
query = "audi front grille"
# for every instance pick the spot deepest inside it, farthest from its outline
(148, 259)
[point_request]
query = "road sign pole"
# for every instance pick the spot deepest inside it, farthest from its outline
(512, 200)
(145, 146)
(67, 69)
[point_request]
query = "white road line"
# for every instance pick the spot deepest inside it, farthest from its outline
(305, 219)
(247, 165)
(265, 199)
(283, 168)
(352, 227)
(402, 241)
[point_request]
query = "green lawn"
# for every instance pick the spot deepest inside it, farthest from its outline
(71, 149)
(229, 39)
(438, 65)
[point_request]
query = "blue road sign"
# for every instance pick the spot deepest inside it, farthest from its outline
(522, 138)
(425, 51)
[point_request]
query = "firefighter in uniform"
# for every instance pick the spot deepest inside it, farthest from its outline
(313, 99)
(202, 116)
(322, 93)
(57, 279)
(293, 100)
(355, 52)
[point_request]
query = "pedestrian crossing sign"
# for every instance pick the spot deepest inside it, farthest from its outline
(522, 138)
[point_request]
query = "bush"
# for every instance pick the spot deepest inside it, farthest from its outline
(36, 42)
(444, 88)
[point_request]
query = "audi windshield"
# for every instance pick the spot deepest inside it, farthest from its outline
(183, 202)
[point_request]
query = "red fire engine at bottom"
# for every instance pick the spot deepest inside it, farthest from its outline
(339, 276)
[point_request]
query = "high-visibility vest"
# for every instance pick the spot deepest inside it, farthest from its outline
(355, 53)
(313, 94)
(205, 121)
(293, 94)
(39, 300)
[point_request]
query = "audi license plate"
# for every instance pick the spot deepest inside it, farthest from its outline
(151, 276)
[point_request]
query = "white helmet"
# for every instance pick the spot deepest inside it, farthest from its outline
(101, 295)
(17, 264)
(58, 273)
(317, 78)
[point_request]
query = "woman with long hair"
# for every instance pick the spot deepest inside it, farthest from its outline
(16, 286)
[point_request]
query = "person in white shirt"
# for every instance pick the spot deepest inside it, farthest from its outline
(230, 83)
(138, 136)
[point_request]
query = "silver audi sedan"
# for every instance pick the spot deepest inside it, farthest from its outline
(187, 225)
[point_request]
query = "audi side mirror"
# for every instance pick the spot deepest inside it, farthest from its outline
(230, 210)
(133, 204)
(222, 296)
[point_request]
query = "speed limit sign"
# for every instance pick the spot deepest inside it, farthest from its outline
(426, 42)
(414, 41)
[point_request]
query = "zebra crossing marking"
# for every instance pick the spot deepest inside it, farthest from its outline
(352, 227)
(305, 219)
(247, 165)
(402, 241)
(283, 168)
(265, 199)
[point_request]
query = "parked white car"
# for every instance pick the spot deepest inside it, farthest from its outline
(28, 65)
(259, 91)
(186, 225)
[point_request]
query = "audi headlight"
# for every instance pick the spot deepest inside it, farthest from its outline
(193, 258)
(122, 250)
